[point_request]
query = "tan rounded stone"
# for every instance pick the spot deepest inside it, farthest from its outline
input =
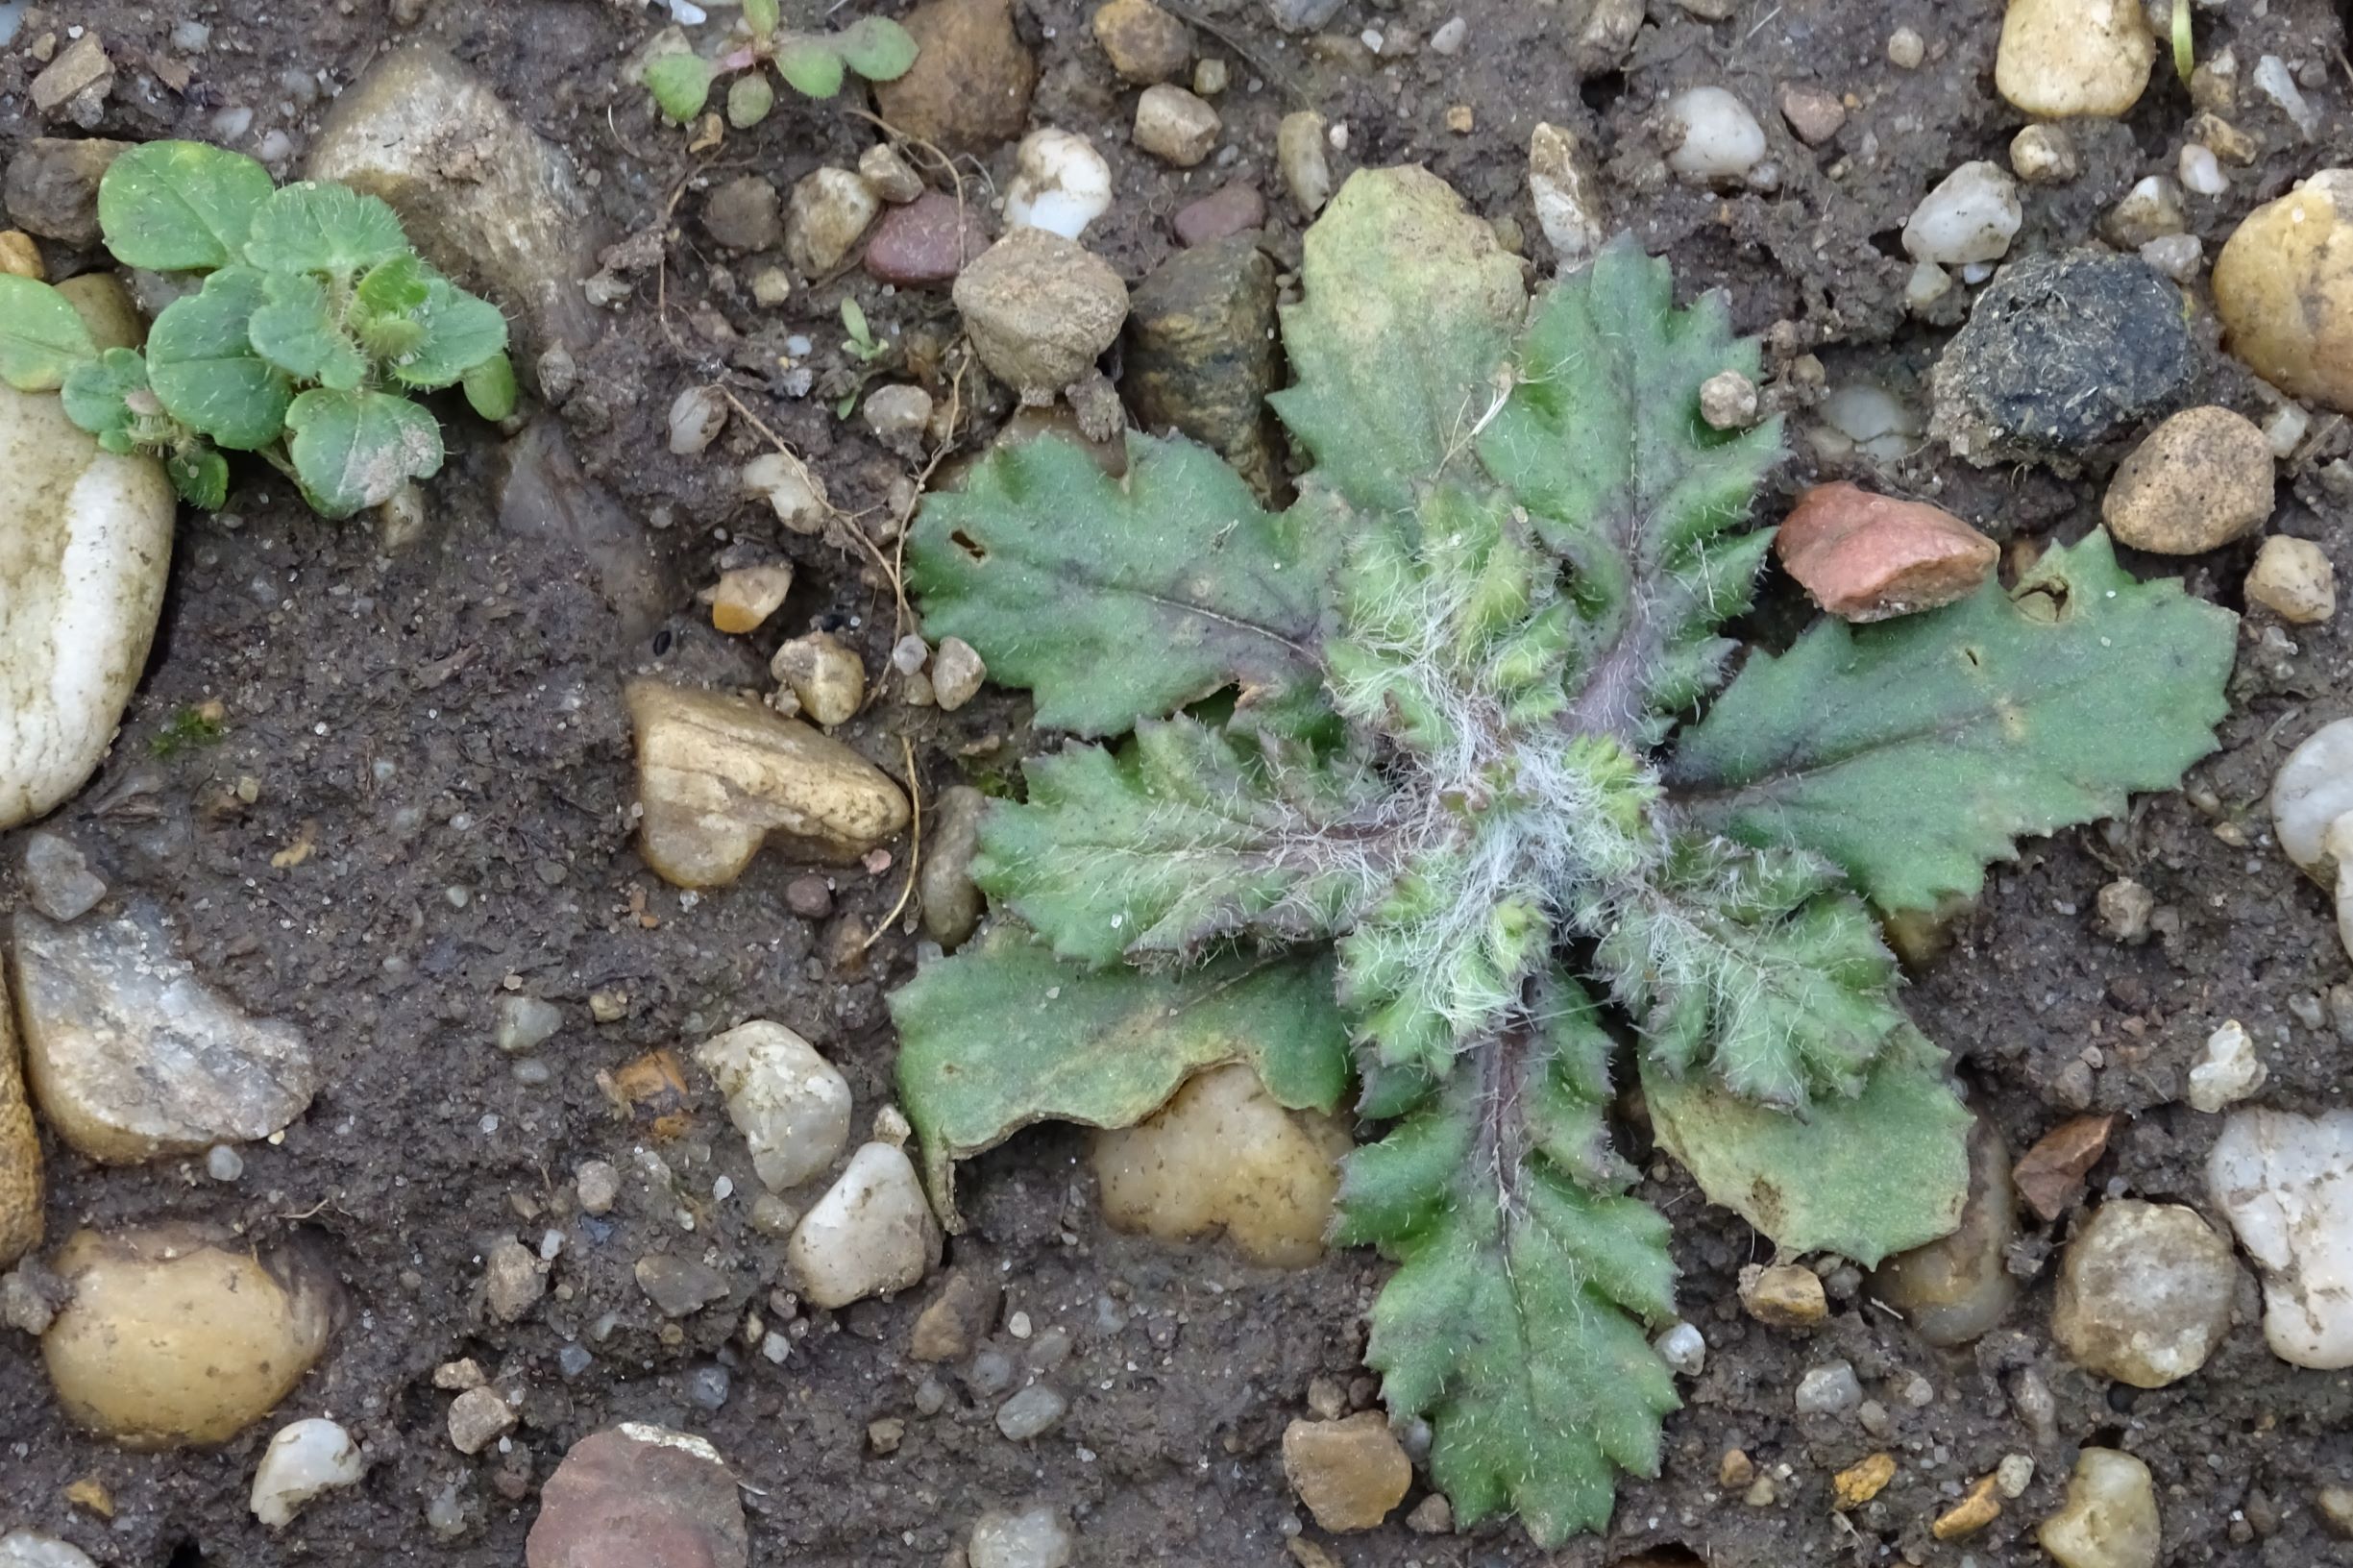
(19, 256)
(2060, 59)
(719, 776)
(2283, 287)
(20, 1148)
(743, 599)
(1146, 44)
(2145, 1293)
(829, 209)
(173, 1338)
(1350, 1473)
(970, 87)
(2201, 479)
(1223, 1152)
(1783, 1296)
(2294, 579)
(824, 677)
(2109, 1519)
(1039, 309)
(1174, 126)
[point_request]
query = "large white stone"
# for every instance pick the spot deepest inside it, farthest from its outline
(2286, 1181)
(873, 1232)
(791, 1104)
(2313, 788)
(85, 543)
(2312, 811)
(131, 1056)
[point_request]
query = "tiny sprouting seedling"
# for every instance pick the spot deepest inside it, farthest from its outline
(862, 345)
(810, 63)
(190, 725)
(310, 323)
(1433, 780)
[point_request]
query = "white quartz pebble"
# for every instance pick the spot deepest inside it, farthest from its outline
(305, 1458)
(1713, 134)
(1972, 215)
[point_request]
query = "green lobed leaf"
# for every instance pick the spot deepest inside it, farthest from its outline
(876, 48)
(200, 475)
(1914, 752)
(1183, 836)
(1518, 1320)
(42, 337)
(761, 16)
(460, 332)
(352, 449)
(810, 67)
(1004, 1035)
(490, 387)
(394, 287)
(1602, 441)
(296, 329)
(1405, 320)
(202, 364)
(322, 227)
(680, 84)
(750, 99)
(179, 206)
(1115, 601)
(1751, 963)
(99, 396)
(1864, 1177)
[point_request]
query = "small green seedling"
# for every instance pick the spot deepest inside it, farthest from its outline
(1433, 781)
(812, 63)
(863, 345)
(313, 322)
(190, 726)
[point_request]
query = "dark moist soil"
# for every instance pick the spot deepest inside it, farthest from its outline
(442, 722)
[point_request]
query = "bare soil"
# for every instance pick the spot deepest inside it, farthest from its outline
(482, 665)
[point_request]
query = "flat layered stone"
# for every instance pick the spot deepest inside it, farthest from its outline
(131, 1055)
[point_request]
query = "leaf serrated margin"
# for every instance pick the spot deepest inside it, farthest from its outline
(1914, 752)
